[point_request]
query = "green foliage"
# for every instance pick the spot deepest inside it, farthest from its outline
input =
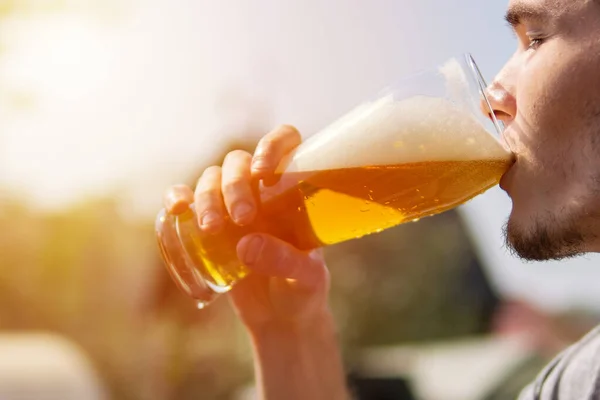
(89, 274)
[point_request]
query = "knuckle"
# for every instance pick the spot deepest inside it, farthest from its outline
(286, 130)
(264, 151)
(178, 191)
(261, 157)
(233, 184)
(212, 171)
(207, 196)
(210, 180)
(177, 198)
(178, 188)
(236, 155)
(285, 260)
(279, 141)
(281, 134)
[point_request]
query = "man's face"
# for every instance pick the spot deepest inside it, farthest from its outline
(548, 95)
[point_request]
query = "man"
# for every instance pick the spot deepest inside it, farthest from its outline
(548, 96)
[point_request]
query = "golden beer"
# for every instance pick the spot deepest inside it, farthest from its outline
(329, 207)
(385, 163)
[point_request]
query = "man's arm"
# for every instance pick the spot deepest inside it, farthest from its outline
(283, 302)
(299, 363)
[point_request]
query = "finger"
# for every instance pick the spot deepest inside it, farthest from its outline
(177, 199)
(236, 187)
(272, 148)
(270, 256)
(208, 200)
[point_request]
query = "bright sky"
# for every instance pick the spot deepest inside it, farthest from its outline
(133, 101)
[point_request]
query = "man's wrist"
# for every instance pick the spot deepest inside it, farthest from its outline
(299, 360)
(301, 329)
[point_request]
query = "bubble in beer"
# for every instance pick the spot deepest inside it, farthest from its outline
(391, 161)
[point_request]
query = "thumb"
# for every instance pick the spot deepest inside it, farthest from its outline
(270, 256)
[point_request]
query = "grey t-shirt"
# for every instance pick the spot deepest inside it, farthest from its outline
(572, 375)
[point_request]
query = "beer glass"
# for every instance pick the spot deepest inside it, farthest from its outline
(420, 147)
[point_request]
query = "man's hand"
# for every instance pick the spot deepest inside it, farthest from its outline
(283, 302)
(287, 286)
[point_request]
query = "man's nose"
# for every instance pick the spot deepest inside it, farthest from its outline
(499, 102)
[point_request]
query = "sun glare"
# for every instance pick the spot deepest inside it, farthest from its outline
(59, 57)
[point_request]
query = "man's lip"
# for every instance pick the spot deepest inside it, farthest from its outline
(504, 181)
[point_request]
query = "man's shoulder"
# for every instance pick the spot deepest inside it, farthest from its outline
(572, 375)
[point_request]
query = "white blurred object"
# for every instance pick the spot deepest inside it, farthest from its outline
(45, 367)
(463, 369)
(246, 393)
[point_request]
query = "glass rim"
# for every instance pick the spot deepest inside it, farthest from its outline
(477, 75)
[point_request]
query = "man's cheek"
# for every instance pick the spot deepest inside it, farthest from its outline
(546, 78)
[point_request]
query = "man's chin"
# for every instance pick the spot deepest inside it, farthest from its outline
(542, 242)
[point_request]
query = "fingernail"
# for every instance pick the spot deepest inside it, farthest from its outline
(211, 218)
(241, 211)
(251, 249)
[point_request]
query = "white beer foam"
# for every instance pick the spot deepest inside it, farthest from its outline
(388, 132)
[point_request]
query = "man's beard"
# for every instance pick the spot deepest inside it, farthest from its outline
(547, 240)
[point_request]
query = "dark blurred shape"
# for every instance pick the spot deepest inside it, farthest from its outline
(416, 282)
(474, 289)
(371, 388)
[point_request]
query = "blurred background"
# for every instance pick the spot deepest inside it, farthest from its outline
(105, 103)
